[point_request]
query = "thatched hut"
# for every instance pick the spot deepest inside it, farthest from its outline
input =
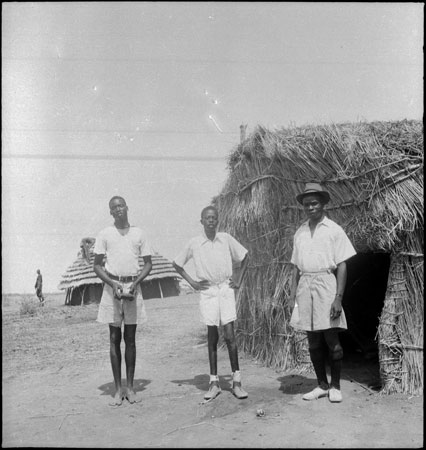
(83, 286)
(374, 173)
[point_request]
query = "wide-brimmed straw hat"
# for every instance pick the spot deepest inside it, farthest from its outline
(313, 188)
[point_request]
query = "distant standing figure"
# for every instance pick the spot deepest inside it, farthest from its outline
(320, 249)
(121, 301)
(213, 255)
(39, 287)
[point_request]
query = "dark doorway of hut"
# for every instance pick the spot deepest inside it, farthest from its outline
(363, 303)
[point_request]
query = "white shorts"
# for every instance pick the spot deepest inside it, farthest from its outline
(115, 312)
(314, 297)
(217, 305)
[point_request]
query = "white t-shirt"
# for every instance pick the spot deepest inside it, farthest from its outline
(212, 259)
(122, 251)
(328, 247)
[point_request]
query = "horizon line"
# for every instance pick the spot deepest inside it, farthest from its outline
(117, 157)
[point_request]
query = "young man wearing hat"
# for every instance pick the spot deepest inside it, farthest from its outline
(320, 249)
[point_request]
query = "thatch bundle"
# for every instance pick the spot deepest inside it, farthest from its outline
(374, 174)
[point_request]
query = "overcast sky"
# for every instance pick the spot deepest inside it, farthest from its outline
(145, 100)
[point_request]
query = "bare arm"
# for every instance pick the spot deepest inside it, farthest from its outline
(294, 282)
(197, 285)
(147, 267)
(100, 272)
(243, 270)
(341, 276)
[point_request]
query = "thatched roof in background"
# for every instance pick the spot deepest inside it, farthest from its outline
(81, 272)
(373, 171)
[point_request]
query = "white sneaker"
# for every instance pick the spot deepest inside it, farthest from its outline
(214, 391)
(315, 394)
(238, 391)
(334, 395)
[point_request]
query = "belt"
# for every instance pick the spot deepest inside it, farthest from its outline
(312, 274)
(220, 284)
(124, 279)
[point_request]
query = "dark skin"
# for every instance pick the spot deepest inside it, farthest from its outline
(38, 287)
(314, 209)
(209, 220)
(118, 210)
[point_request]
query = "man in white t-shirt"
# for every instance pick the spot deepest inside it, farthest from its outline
(119, 246)
(213, 255)
(320, 251)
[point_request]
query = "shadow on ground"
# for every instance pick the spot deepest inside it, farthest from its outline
(296, 384)
(138, 385)
(355, 368)
(201, 382)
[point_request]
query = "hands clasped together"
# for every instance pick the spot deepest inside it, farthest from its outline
(124, 292)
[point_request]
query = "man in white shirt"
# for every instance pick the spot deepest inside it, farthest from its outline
(320, 249)
(119, 246)
(213, 255)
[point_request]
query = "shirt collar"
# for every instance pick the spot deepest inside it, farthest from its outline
(324, 221)
(206, 239)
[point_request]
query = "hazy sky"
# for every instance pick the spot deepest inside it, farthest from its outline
(145, 100)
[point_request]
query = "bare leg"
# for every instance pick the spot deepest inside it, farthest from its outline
(130, 358)
(40, 297)
(231, 343)
(115, 357)
(212, 340)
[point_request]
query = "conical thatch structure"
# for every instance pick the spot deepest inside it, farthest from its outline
(82, 285)
(374, 173)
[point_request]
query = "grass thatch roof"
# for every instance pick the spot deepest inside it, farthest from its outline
(373, 171)
(81, 272)
(374, 174)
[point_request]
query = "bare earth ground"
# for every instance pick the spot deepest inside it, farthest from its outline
(57, 382)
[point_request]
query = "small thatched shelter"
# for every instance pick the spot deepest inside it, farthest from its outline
(83, 286)
(374, 173)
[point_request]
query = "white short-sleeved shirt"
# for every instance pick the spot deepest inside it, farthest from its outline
(213, 260)
(122, 251)
(328, 247)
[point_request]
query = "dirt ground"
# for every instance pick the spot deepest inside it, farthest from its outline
(57, 383)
